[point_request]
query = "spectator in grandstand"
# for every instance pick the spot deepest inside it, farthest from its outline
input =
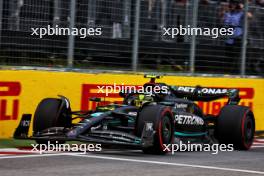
(91, 16)
(234, 18)
(256, 26)
(260, 3)
(150, 7)
(164, 13)
(157, 15)
(15, 10)
(117, 17)
(181, 16)
(176, 15)
(110, 13)
(206, 19)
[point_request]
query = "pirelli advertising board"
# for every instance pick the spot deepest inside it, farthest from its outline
(21, 91)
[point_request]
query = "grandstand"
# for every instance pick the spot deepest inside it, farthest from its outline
(125, 44)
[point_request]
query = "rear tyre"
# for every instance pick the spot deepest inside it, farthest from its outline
(236, 125)
(162, 119)
(51, 112)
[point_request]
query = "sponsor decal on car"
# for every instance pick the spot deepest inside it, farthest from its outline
(132, 113)
(203, 90)
(181, 105)
(97, 114)
(188, 120)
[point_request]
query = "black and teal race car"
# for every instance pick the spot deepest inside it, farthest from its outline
(145, 120)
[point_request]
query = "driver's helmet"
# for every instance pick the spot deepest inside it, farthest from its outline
(139, 99)
(161, 90)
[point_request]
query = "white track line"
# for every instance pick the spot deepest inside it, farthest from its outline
(171, 164)
(259, 140)
(17, 150)
(258, 143)
(138, 161)
(32, 156)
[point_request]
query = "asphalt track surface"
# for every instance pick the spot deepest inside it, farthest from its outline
(130, 163)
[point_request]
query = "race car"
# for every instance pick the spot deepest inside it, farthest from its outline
(147, 120)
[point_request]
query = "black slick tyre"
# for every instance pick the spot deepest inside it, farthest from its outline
(236, 125)
(162, 119)
(50, 112)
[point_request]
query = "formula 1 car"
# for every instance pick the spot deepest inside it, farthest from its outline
(145, 120)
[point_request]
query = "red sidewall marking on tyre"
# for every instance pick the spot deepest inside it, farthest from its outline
(160, 136)
(160, 128)
(243, 130)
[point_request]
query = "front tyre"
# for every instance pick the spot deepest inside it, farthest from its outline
(162, 119)
(51, 112)
(236, 125)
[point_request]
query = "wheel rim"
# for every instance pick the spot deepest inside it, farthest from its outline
(166, 130)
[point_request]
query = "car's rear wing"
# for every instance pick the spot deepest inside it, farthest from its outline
(206, 94)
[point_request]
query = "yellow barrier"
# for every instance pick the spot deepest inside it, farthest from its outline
(21, 91)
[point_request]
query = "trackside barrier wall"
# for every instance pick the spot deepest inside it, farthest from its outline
(21, 91)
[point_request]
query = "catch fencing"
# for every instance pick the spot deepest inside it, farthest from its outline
(132, 36)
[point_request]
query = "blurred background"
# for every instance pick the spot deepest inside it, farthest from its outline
(132, 37)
